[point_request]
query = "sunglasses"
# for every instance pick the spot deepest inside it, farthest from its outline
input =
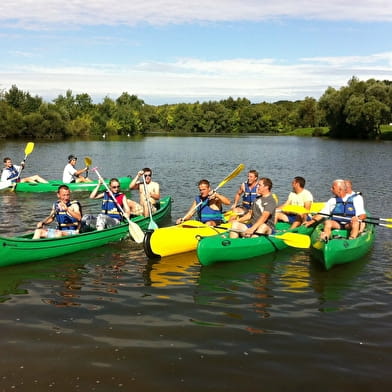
(115, 186)
(147, 175)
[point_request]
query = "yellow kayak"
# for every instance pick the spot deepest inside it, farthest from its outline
(180, 238)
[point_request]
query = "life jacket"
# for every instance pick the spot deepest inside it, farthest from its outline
(205, 213)
(250, 195)
(110, 207)
(13, 173)
(344, 208)
(65, 221)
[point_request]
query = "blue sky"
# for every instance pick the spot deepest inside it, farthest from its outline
(169, 51)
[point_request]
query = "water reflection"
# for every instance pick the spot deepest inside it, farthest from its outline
(175, 270)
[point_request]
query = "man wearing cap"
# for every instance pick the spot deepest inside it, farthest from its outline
(70, 174)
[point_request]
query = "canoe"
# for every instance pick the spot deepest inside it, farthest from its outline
(177, 239)
(23, 249)
(222, 248)
(53, 185)
(339, 249)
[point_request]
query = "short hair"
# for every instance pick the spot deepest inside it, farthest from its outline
(267, 182)
(204, 182)
(114, 179)
(66, 187)
(255, 172)
(301, 181)
(6, 159)
(147, 169)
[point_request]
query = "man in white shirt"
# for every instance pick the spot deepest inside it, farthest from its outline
(298, 197)
(70, 174)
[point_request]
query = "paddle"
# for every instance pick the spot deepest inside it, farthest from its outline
(302, 210)
(233, 174)
(152, 225)
(367, 220)
(87, 162)
(134, 230)
(315, 208)
(28, 150)
(294, 240)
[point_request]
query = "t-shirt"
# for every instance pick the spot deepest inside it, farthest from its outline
(264, 203)
(68, 173)
(299, 199)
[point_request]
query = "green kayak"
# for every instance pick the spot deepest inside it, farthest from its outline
(339, 249)
(23, 249)
(221, 248)
(52, 186)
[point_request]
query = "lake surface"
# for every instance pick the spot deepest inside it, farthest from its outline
(109, 319)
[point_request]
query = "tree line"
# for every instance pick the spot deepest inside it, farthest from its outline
(353, 111)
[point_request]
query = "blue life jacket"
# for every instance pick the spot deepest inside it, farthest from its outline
(205, 213)
(110, 207)
(344, 208)
(250, 195)
(65, 221)
(13, 172)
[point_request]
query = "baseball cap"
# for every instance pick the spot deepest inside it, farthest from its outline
(70, 157)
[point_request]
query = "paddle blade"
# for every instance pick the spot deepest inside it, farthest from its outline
(233, 174)
(152, 225)
(136, 232)
(295, 240)
(295, 209)
(88, 161)
(29, 148)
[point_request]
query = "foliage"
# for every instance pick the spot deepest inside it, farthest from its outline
(357, 110)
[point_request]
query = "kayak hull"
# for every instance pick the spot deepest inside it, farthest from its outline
(23, 249)
(340, 249)
(53, 185)
(222, 248)
(177, 239)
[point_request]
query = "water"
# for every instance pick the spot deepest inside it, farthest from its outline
(109, 319)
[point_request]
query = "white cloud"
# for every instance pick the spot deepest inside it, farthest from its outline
(44, 13)
(188, 80)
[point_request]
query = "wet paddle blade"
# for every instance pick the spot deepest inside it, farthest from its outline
(136, 232)
(295, 240)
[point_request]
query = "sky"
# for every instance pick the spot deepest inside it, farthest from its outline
(172, 51)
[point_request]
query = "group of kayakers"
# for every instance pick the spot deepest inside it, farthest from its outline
(255, 209)
(258, 212)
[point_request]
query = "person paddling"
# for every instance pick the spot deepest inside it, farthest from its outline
(67, 213)
(12, 173)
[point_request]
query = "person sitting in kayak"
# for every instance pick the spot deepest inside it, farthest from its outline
(248, 190)
(208, 205)
(111, 214)
(346, 212)
(12, 173)
(260, 218)
(298, 197)
(153, 193)
(70, 174)
(67, 213)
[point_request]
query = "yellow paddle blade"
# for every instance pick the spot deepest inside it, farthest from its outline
(315, 207)
(233, 174)
(88, 161)
(295, 209)
(294, 239)
(29, 148)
